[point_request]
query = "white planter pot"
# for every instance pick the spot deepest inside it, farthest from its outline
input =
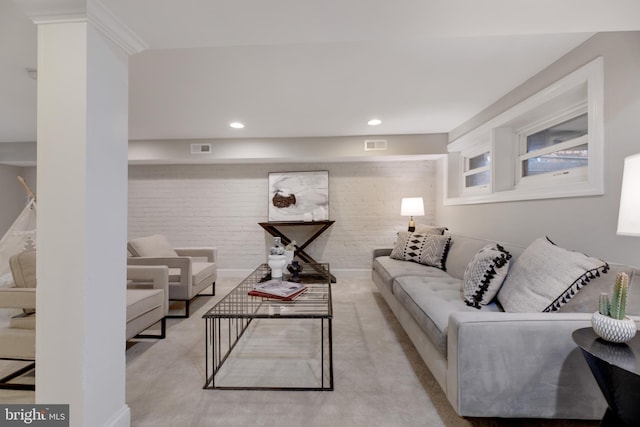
(613, 330)
(277, 263)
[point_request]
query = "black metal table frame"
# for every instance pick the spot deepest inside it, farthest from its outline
(238, 323)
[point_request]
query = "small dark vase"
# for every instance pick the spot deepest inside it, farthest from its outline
(294, 268)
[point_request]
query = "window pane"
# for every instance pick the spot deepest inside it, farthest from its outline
(561, 132)
(479, 161)
(476, 179)
(560, 160)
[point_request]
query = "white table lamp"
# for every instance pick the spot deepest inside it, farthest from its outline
(629, 213)
(412, 206)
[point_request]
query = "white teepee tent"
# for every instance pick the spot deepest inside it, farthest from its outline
(20, 236)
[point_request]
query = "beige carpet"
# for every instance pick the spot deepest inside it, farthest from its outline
(379, 378)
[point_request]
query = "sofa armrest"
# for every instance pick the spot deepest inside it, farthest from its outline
(381, 252)
(18, 298)
(209, 253)
(509, 364)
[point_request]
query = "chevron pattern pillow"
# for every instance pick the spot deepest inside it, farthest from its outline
(484, 275)
(427, 249)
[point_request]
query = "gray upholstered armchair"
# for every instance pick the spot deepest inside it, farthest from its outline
(191, 270)
(18, 333)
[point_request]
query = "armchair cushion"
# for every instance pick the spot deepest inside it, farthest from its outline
(156, 245)
(23, 268)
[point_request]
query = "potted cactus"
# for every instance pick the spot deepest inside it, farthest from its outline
(610, 321)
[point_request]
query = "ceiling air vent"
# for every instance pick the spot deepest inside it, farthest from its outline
(375, 144)
(200, 148)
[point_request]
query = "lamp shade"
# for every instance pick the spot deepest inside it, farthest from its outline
(629, 213)
(412, 206)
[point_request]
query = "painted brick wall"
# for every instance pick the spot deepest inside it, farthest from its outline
(221, 205)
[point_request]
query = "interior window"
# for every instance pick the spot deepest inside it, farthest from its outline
(477, 173)
(558, 148)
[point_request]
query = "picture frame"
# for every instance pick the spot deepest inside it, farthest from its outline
(298, 196)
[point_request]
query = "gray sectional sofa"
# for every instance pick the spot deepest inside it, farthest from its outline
(492, 363)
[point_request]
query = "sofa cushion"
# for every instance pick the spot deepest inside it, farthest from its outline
(430, 301)
(389, 269)
(546, 276)
(156, 245)
(464, 248)
(427, 249)
(485, 274)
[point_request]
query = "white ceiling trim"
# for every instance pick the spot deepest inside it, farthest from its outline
(114, 29)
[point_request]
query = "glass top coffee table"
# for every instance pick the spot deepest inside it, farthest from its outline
(256, 343)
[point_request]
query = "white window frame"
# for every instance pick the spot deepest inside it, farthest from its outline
(580, 91)
(574, 175)
(466, 171)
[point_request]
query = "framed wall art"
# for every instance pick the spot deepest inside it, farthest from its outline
(299, 196)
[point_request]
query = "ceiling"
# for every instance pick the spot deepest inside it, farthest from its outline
(302, 68)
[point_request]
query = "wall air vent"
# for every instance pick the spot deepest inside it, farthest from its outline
(200, 148)
(375, 144)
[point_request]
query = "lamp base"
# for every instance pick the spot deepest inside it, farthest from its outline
(412, 225)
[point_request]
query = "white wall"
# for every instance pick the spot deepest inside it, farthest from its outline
(587, 224)
(221, 205)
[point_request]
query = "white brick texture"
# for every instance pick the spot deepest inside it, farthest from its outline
(221, 205)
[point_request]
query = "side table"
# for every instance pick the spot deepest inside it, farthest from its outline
(272, 228)
(616, 368)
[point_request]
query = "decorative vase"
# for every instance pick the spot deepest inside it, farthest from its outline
(613, 330)
(277, 263)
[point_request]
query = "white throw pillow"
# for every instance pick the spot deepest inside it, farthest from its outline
(485, 274)
(546, 276)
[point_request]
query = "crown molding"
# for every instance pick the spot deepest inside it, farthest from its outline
(92, 11)
(113, 28)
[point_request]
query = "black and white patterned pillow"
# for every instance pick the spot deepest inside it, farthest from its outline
(485, 274)
(427, 249)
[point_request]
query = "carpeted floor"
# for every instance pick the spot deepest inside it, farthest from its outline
(379, 377)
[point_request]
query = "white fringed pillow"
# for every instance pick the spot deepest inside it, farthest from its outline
(485, 274)
(546, 276)
(427, 249)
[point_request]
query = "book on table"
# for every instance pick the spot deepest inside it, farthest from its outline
(277, 289)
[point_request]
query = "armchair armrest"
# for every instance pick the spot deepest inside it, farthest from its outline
(205, 252)
(154, 276)
(18, 298)
(181, 262)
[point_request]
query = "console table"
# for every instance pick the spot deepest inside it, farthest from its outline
(272, 228)
(616, 368)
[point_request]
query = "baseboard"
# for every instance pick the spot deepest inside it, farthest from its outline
(120, 419)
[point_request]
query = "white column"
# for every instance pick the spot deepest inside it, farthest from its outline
(82, 223)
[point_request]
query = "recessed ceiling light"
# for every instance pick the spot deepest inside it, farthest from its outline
(374, 122)
(236, 125)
